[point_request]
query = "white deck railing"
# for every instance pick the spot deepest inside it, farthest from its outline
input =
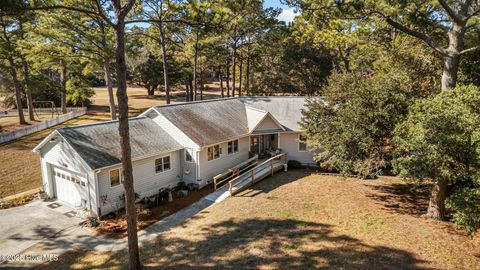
(257, 173)
(234, 172)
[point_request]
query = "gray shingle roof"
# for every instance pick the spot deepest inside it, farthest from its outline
(99, 144)
(208, 122)
(213, 121)
(287, 110)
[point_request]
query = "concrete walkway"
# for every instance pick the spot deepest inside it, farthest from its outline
(82, 238)
(24, 226)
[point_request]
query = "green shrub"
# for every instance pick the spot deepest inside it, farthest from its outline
(352, 125)
(440, 141)
(294, 164)
(182, 185)
(466, 203)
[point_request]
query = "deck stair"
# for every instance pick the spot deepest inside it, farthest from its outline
(257, 173)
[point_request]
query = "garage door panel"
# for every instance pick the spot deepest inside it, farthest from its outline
(70, 187)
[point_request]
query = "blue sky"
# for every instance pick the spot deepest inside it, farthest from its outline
(287, 14)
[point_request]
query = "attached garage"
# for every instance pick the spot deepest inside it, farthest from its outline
(70, 187)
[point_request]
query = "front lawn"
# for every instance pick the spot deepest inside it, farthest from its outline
(298, 220)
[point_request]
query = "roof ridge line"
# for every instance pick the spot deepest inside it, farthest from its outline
(196, 102)
(101, 123)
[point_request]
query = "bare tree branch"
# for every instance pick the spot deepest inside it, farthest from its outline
(422, 36)
(455, 17)
(470, 49)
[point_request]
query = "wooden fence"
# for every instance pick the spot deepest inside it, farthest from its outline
(38, 111)
(9, 136)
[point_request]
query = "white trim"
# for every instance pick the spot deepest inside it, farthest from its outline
(120, 176)
(233, 148)
(299, 142)
(219, 154)
(185, 155)
(265, 116)
(141, 158)
(43, 142)
(163, 164)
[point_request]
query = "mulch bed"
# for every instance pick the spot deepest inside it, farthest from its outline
(115, 225)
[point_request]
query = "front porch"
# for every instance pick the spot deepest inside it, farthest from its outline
(265, 145)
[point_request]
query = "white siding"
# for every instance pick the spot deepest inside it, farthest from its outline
(146, 181)
(189, 168)
(208, 169)
(289, 144)
(267, 123)
(60, 154)
(173, 131)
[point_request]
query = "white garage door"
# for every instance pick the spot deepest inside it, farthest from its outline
(70, 187)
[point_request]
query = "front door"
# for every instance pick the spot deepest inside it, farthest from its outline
(257, 144)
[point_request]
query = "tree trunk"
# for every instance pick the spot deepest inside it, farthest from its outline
(190, 81)
(28, 91)
(195, 66)
(234, 60)
(165, 65)
(247, 76)
(16, 86)
(201, 85)
(108, 82)
(228, 79)
(187, 92)
(150, 91)
(123, 129)
(221, 84)
(240, 78)
(450, 71)
(452, 55)
(436, 206)
(63, 82)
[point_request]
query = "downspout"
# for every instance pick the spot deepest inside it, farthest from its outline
(89, 194)
(97, 194)
(197, 171)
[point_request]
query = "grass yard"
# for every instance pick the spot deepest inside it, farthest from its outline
(298, 220)
(11, 123)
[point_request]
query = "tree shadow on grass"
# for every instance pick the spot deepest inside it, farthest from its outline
(402, 198)
(254, 244)
(271, 183)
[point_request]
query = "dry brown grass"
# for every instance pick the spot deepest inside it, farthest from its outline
(298, 220)
(11, 123)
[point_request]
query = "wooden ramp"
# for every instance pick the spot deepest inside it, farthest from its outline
(231, 173)
(257, 173)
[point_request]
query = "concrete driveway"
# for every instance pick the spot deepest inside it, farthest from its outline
(24, 226)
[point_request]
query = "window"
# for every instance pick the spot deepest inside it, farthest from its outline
(214, 152)
(188, 156)
(302, 144)
(166, 163)
(115, 177)
(162, 164)
(233, 147)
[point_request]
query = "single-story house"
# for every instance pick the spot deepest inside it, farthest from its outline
(190, 142)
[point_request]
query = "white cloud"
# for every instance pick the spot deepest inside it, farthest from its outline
(287, 15)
